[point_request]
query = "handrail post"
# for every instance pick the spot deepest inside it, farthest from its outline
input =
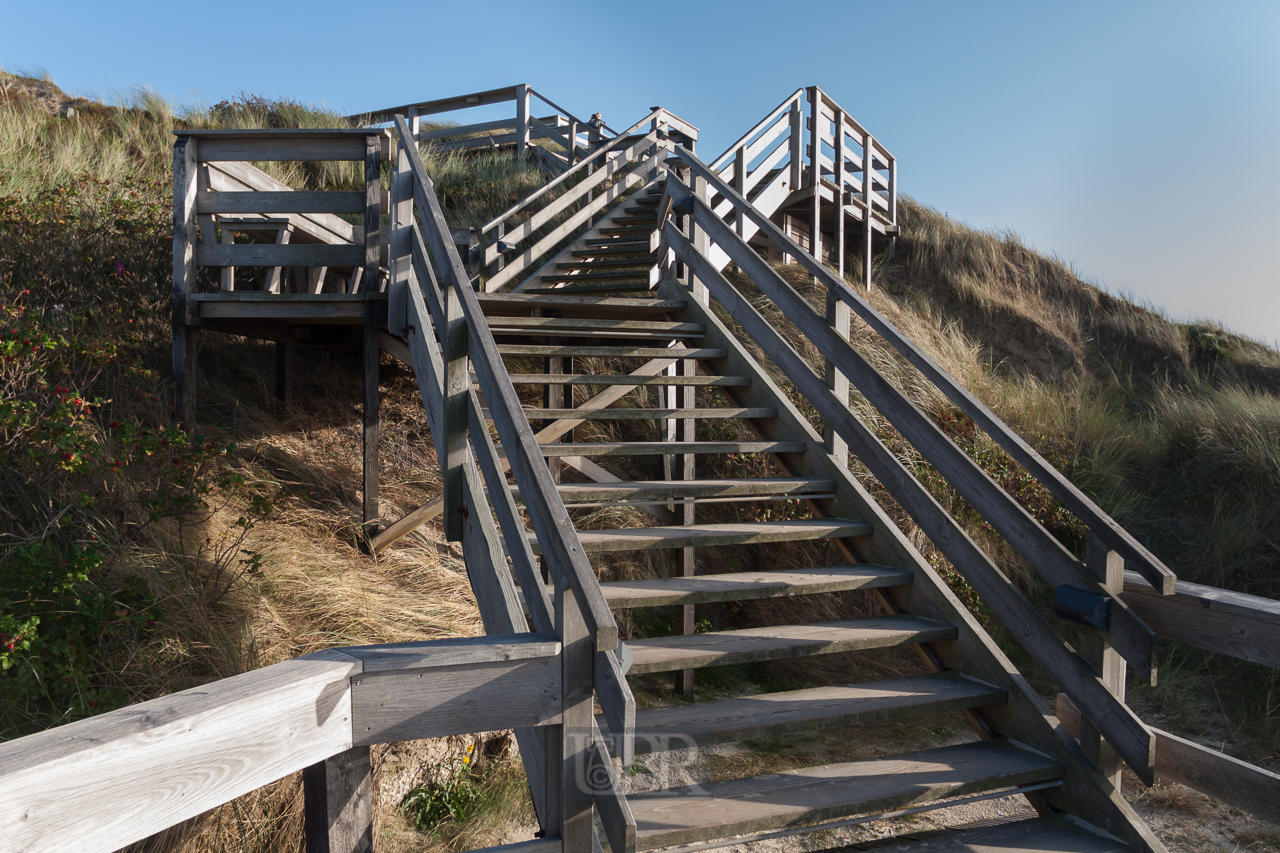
(815, 173)
(370, 350)
(577, 661)
(698, 237)
(740, 184)
(457, 383)
(1108, 567)
(838, 179)
(400, 259)
(522, 120)
(797, 147)
(338, 803)
(868, 196)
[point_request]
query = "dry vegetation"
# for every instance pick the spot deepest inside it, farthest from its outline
(1173, 428)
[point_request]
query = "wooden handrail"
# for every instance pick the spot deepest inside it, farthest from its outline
(1119, 724)
(1105, 527)
(106, 782)
(550, 519)
(564, 176)
(747, 137)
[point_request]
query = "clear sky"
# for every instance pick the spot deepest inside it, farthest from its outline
(1138, 141)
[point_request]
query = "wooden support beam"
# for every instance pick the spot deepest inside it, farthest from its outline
(1108, 568)
(371, 356)
(284, 371)
(522, 119)
(577, 660)
(815, 174)
(338, 803)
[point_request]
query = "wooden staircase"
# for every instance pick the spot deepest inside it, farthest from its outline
(683, 406)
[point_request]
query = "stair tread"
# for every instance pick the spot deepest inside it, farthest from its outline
(740, 586)
(624, 379)
(595, 323)
(749, 717)
(595, 288)
(611, 352)
(494, 302)
(640, 414)
(638, 275)
(652, 448)
(633, 489)
(620, 249)
(1059, 833)
(717, 534)
(749, 645)
(719, 809)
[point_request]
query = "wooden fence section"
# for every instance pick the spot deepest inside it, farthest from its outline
(572, 136)
(112, 780)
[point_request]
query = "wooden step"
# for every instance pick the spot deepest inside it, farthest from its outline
(639, 275)
(741, 586)
(629, 231)
(796, 797)
(772, 714)
(612, 352)
(605, 251)
(742, 533)
(752, 645)
(648, 414)
(764, 487)
(658, 448)
(1059, 833)
(614, 243)
(568, 305)
(624, 379)
(590, 324)
(622, 263)
(633, 287)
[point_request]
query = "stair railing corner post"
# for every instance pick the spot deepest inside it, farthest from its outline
(815, 173)
(522, 120)
(1108, 567)
(338, 803)
(371, 352)
(457, 384)
(797, 146)
(577, 802)
(868, 196)
(401, 243)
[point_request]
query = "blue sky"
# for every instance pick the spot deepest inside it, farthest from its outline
(1139, 141)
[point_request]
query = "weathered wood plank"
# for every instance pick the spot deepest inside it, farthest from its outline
(242, 177)
(426, 654)
(338, 803)
(611, 352)
(742, 586)
(623, 379)
(450, 700)
(1059, 833)
(295, 201)
(641, 414)
(771, 714)
(250, 149)
(743, 533)
(719, 809)
(632, 490)
(275, 255)
(749, 645)
(1230, 623)
(651, 448)
(108, 781)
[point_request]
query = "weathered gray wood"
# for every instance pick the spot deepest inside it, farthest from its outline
(1128, 635)
(639, 414)
(617, 703)
(522, 119)
(1099, 522)
(629, 379)
(457, 388)
(1121, 726)
(450, 700)
(280, 202)
(764, 123)
(103, 783)
(1235, 782)
(584, 324)
(742, 533)
(371, 355)
(242, 177)
(457, 651)
(250, 146)
(578, 742)
(277, 255)
(611, 352)
(973, 650)
(705, 724)
(319, 309)
(663, 654)
(741, 586)
(185, 235)
(615, 815)
(466, 129)
(650, 448)
(720, 809)
(440, 105)
(632, 490)
(501, 303)
(284, 371)
(1108, 568)
(1230, 623)
(1059, 833)
(338, 803)
(400, 252)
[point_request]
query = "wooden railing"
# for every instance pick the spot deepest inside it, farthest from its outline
(434, 306)
(573, 136)
(524, 235)
(113, 780)
(1125, 633)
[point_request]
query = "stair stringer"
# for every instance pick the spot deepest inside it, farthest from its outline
(1085, 793)
(768, 201)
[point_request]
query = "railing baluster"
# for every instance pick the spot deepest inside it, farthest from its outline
(1108, 568)
(457, 380)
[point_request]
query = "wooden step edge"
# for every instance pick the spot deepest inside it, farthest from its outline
(703, 724)
(592, 379)
(745, 586)
(612, 352)
(808, 795)
(777, 487)
(599, 288)
(658, 448)
(782, 642)
(646, 414)
(1058, 833)
(711, 535)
